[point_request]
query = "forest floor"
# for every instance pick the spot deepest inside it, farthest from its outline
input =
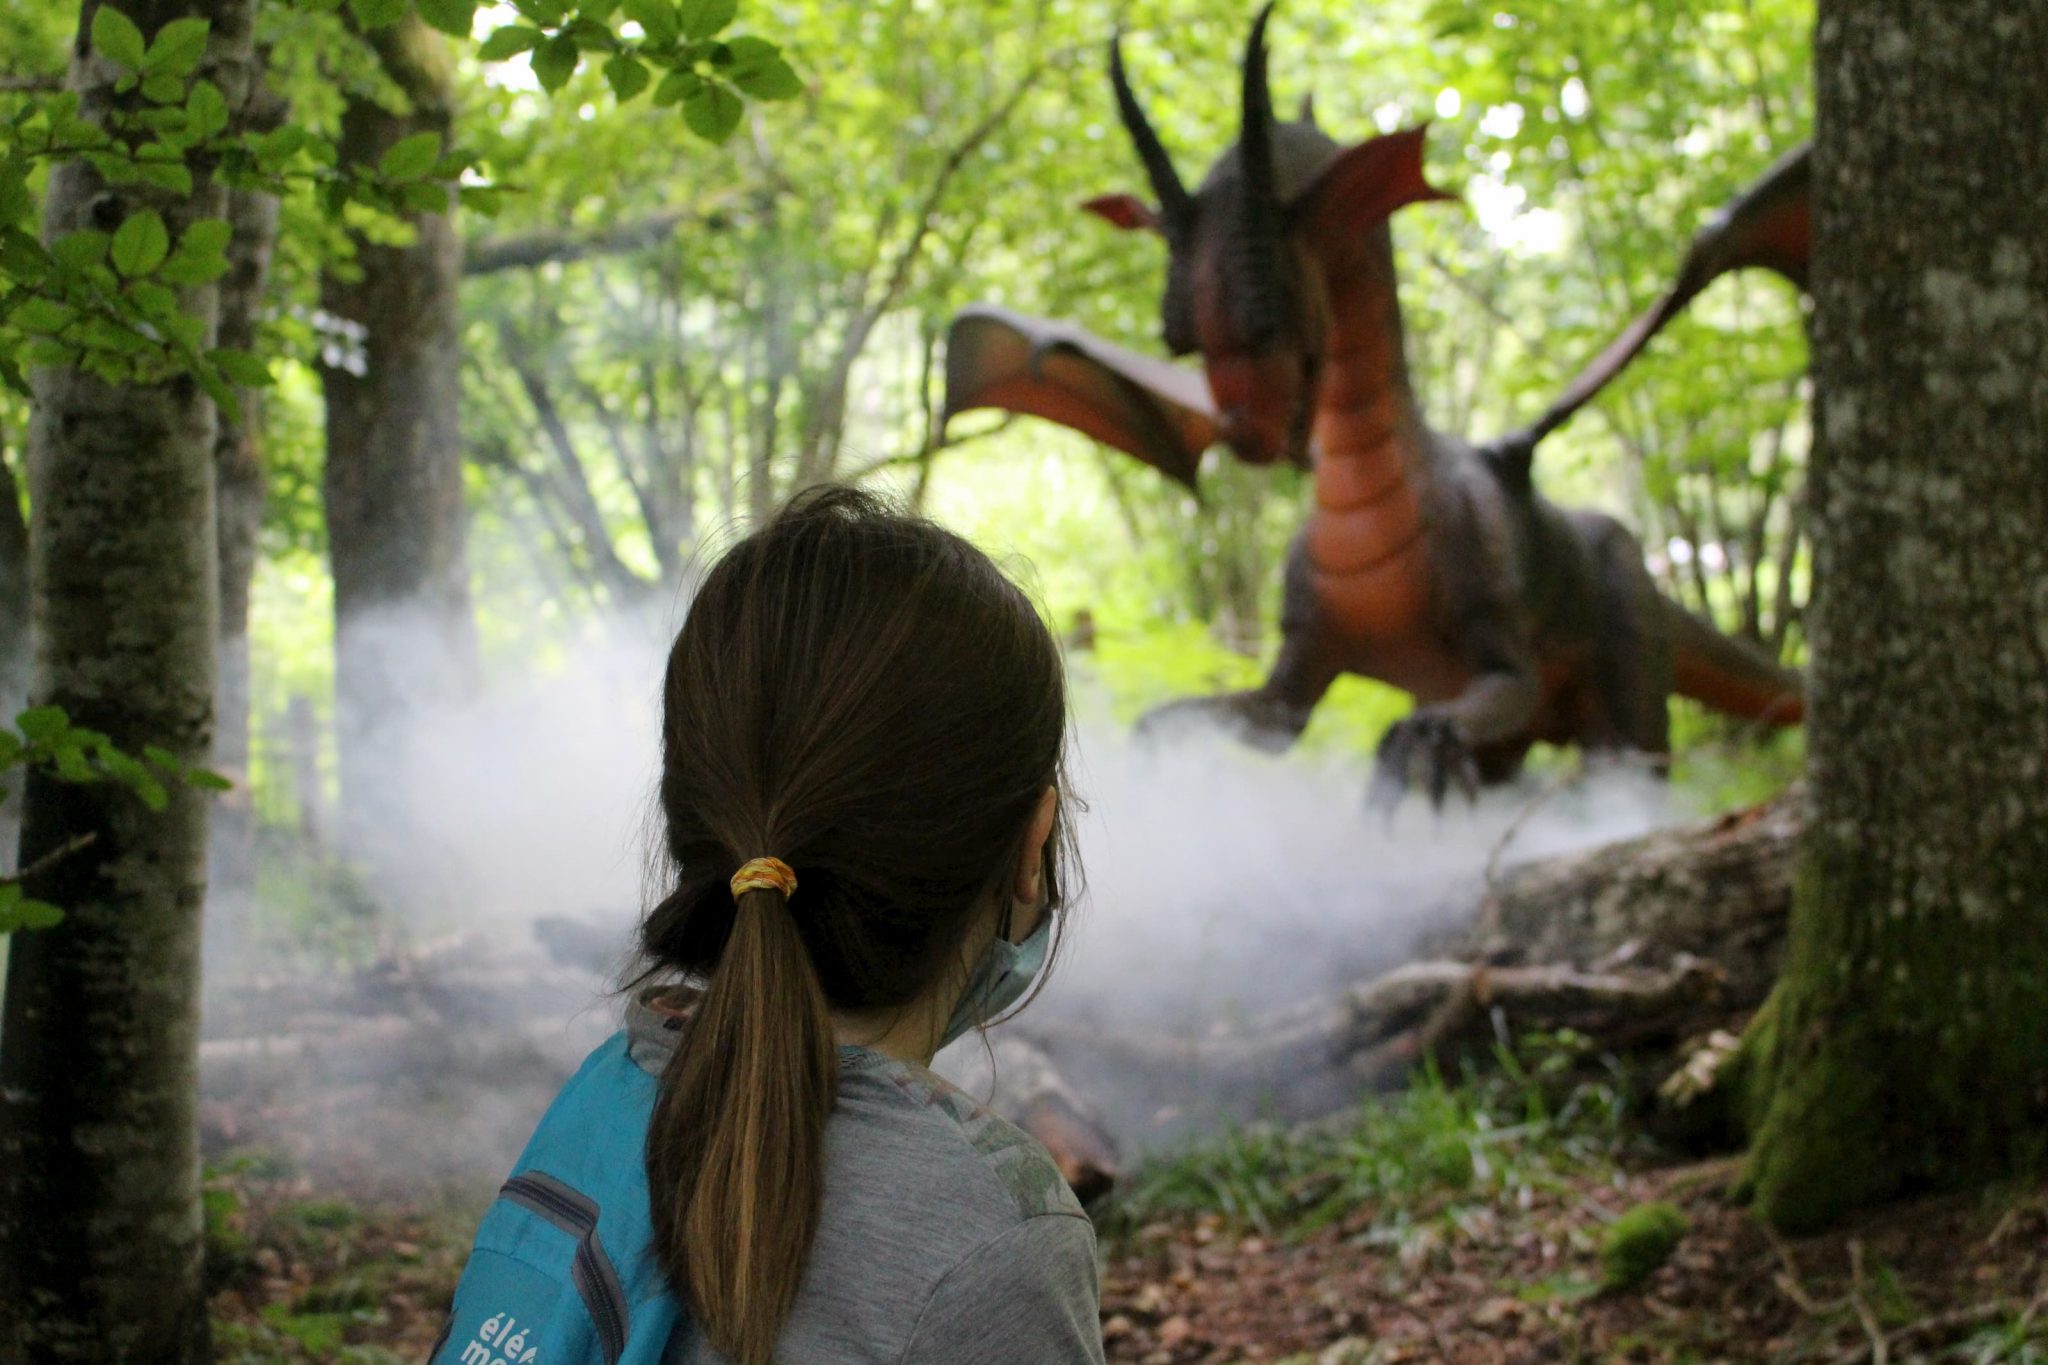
(1455, 1223)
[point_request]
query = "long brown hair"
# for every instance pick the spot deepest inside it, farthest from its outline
(864, 696)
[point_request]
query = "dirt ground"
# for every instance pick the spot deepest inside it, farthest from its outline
(1518, 1284)
(308, 1275)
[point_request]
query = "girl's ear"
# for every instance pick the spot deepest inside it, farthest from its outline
(1029, 883)
(1366, 183)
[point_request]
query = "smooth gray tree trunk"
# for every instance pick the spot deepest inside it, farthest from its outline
(100, 1227)
(405, 638)
(1907, 1045)
(13, 644)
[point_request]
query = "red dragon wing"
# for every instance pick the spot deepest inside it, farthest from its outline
(1149, 408)
(1770, 224)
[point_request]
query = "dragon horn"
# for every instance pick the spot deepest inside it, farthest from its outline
(1174, 203)
(1259, 229)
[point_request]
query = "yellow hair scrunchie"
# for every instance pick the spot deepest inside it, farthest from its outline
(764, 874)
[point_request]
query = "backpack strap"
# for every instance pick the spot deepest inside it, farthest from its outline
(563, 1270)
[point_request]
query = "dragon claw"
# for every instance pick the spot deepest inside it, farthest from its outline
(1424, 750)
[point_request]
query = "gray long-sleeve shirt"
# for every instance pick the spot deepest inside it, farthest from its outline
(947, 1237)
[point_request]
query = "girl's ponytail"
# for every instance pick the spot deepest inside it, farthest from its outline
(866, 695)
(735, 1154)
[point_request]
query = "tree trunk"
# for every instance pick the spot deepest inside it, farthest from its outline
(238, 473)
(100, 1229)
(396, 525)
(1903, 1049)
(14, 644)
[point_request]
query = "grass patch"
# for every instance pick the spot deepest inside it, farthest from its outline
(1427, 1151)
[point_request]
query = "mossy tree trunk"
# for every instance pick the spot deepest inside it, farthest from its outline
(100, 1241)
(1906, 1047)
(396, 524)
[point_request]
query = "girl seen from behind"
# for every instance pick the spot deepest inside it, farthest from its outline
(861, 764)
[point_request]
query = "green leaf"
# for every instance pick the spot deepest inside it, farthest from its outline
(43, 724)
(279, 144)
(153, 300)
(424, 197)
(115, 37)
(164, 89)
(676, 87)
(141, 243)
(206, 779)
(44, 317)
(759, 70)
(163, 175)
(219, 390)
(657, 19)
(712, 112)
(377, 13)
(411, 157)
(702, 18)
(450, 16)
(510, 41)
(207, 111)
(484, 199)
(17, 911)
(554, 62)
(206, 237)
(627, 76)
(82, 249)
(178, 49)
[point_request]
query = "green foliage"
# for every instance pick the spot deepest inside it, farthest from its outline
(43, 737)
(111, 303)
(708, 76)
(1638, 1242)
(1423, 1153)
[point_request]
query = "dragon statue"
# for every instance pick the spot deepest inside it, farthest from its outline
(1427, 562)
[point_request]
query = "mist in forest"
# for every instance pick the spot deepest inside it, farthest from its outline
(513, 848)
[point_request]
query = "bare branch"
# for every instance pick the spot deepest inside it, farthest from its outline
(831, 405)
(547, 248)
(77, 844)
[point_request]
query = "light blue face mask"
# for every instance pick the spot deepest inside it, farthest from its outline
(1000, 979)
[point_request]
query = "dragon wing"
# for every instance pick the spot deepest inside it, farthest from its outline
(1770, 224)
(1159, 412)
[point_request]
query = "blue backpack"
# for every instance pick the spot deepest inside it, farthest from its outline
(563, 1270)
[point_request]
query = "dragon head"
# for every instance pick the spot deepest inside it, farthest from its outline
(1246, 249)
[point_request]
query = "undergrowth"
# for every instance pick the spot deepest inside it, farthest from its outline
(1547, 1108)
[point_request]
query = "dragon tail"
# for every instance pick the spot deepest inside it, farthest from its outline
(1730, 676)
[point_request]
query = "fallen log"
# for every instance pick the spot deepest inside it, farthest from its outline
(1430, 1009)
(1720, 890)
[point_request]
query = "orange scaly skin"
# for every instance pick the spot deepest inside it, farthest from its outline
(1367, 555)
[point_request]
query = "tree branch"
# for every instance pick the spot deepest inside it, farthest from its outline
(491, 257)
(831, 405)
(77, 844)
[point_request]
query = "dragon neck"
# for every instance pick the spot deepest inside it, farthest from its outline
(1368, 432)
